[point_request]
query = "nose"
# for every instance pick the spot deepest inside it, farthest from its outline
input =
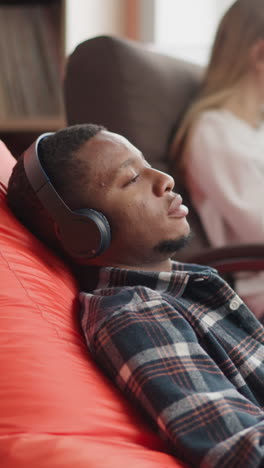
(162, 182)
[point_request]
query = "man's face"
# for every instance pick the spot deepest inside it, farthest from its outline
(147, 218)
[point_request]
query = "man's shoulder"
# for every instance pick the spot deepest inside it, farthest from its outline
(113, 305)
(118, 296)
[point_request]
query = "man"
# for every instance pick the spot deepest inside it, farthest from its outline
(174, 337)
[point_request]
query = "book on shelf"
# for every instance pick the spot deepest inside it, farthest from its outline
(30, 82)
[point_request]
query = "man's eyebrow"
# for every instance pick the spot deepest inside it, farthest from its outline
(132, 160)
(127, 162)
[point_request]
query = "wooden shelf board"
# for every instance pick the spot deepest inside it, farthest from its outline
(32, 124)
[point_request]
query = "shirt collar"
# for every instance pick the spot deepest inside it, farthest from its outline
(170, 282)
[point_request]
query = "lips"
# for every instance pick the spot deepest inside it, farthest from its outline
(177, 209)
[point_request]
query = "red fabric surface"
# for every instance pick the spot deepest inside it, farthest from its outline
(56, 407)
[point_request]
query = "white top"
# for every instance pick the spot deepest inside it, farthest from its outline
(226, 180)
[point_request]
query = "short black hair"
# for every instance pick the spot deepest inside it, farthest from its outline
(67, 173)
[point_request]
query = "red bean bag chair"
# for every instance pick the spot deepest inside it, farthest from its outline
(56, 407)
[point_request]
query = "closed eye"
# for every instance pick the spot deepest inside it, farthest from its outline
(133, 180)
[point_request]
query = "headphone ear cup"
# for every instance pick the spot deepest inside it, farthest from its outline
(85, 234)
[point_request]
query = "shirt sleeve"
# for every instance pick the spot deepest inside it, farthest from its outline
(226, 171)
(153, 355)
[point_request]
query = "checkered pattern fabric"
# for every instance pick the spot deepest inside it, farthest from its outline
(185, 347)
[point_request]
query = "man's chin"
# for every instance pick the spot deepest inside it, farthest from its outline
(172, 246)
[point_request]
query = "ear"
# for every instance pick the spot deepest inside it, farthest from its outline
(257, 55)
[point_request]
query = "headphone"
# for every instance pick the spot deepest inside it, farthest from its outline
(84, 233)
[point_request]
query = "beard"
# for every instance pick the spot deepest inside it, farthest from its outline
(173, 245)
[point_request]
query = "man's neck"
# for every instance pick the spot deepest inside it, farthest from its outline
(159, 266)
(164, 265)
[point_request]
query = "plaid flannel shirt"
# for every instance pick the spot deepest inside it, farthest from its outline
(187, 349)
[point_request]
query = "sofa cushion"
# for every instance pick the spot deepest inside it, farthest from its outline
(130, 89)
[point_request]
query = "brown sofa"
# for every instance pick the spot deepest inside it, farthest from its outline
(142, 94)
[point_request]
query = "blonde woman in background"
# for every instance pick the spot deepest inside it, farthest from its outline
(219, 148)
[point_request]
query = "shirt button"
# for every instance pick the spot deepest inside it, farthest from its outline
(235, 303)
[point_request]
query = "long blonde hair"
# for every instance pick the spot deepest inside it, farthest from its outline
(241, 26)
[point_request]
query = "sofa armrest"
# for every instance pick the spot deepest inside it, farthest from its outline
(231, 259)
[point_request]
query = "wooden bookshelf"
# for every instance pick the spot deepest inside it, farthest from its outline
(32, 55)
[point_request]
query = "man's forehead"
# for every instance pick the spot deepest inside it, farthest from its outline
(110, 142)
(109, 151)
